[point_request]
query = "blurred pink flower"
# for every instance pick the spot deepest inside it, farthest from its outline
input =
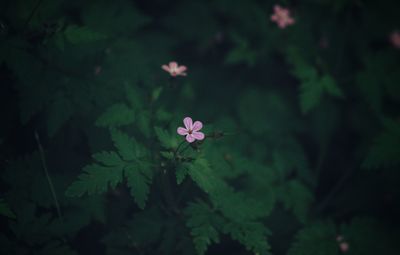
(395, 39)
(344, 247)
(175, 70)
(282, 17)
(191, 130)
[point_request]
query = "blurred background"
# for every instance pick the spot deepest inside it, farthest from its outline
(300, 101)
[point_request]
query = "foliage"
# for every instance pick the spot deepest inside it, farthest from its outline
(291, 118)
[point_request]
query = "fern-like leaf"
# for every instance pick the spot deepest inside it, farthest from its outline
(167, 141)
(139, 183)
(95, 180)
(253, 235)
(297, 197)
(202, 224)
(316, 239)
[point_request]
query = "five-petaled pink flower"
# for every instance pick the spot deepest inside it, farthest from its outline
(395, 39)
(191, 130)
(282, 17)
(174, 69)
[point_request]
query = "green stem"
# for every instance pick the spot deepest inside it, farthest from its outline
(28, 20)
(46, 172)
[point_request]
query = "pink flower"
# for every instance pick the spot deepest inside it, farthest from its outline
(282, 17)
(395, 39)
(175, 70)
(344, 247)
(191, 130)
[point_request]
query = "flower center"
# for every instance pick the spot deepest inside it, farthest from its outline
(190, 131)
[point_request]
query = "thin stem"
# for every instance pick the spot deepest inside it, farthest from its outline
(177, 149)
(49, 181)
(338, 186)
(28, 20)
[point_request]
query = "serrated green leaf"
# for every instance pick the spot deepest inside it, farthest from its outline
(138, 183)
(253, 235)
(108, 158)
(95, 179)
(201, 222)
(316, 239)
(181, 172)
(124, 144)
(297, 197)
(76, 34)
(202, 175)
(167, 141)
(116, 115)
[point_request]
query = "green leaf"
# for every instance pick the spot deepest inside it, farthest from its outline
(253, 235)
(316, 239)
(310, 95)
(202, 175)
(116, 115)
(76, 34)
(108, 158)
(386, 149)
(167, 141)
(124, 144)
(297, 197)
(5, 210)
(202, 221)
(95, 180)
(167, 154)
(330, 86)
(181, 172)
(139, 183)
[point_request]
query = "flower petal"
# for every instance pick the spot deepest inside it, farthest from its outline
(190, 138)
(197, 125)
(182, 131)
(188, 123)
(181, 69)
(198, 135)
(166, 68)
(173, 65)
